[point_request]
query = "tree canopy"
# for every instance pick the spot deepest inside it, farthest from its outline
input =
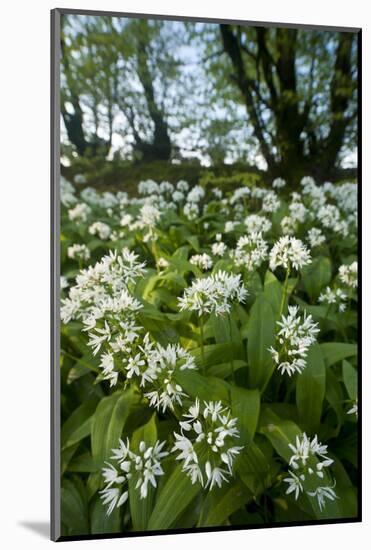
(283, 100)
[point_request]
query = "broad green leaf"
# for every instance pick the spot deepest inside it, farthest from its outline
(310, 390)
(83, 463)
(141, 508)
(350, 379)
(316, 276)
(217, 353)
(101, 522)
(256, 468)
(337, 351)
(273, 291)
(245, 406)
(108, 422)
(74, 514)
(78, 424)
(279, 432)
(261, 335)
(176, 494)
(226, 501)
(204, 387)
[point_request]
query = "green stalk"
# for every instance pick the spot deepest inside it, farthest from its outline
(284, 295)
(232, 361)
(202, 343)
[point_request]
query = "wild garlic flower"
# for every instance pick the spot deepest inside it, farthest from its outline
(202, 261)
(354, 408)
(103, 287)
(162, 366)
(349, 274)
(149, 215)
(298, 211)
(182, 186)
(289, 252)
(219, 248)
(196, 194)
(289, 225)
(293, 340)
(230, 226)
(308, 462)
(315, 237)
(271, 202)
(68, 197)
(79, 213)
(251, 251)
(142, 466)
(278, 183)
(162, 263)
(240, 194)
(206, 443)
(63, 282)
(213, 294)
(334, 297)
(101, 229)
(257, 224)
(323, 493)
(191, 211)
(126, 219)
(78, 252)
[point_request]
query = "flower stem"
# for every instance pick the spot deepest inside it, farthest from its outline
(284, 294)
(202, 343)
(232, 361)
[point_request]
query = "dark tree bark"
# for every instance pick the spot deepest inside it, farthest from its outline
(160, 147)
(291, 121)
(74, 121)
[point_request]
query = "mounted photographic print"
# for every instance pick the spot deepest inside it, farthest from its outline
(205, 191)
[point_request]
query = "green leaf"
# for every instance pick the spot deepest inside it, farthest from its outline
(108, 422)
(256, 468)
(176, 494)
(73, 508)
(261, 335)
(226, 501)
(141, 508)
(78, 425)
(217, 353)
(204, 387)
(337, 351)
(246, 407)
(350, 380)
(279, 432)
(100, 522)
(273, 291)
(310, 390)
(316, 276)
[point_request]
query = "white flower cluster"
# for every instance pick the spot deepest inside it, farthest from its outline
(102, 288)
(295, 336)
(213, 294)
(308, 462)
(79, 213)
(78, 252)
(101, 229)
(315, 237)
(289, 252)
(349, 274)
(142, 466)
(257, 224)
(206, 443)
(239, 194)
(334, 297)
(202, 261)
(251, 251)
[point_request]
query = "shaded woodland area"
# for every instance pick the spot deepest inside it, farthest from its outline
(171, 100)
